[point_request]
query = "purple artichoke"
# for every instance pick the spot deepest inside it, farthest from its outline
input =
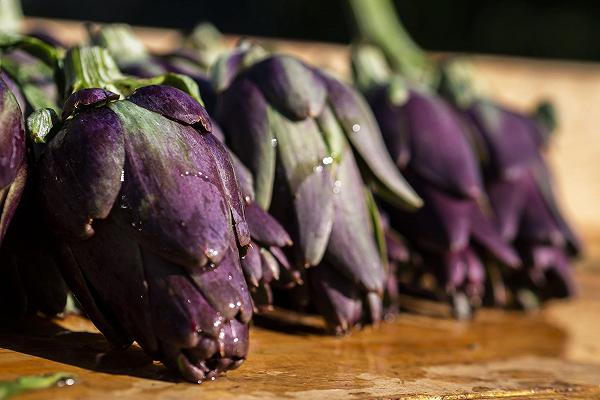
(452, 234)
(293, 128)
(265, 264)
(520, 190)
(13, 176)
(151, 221)
(13, 165)
(31, 278)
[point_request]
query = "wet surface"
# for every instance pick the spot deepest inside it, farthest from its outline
(498, 354)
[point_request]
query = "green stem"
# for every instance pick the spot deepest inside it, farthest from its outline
(11, 16)
(122, 43)
(90, 67)
(378, 24)
(179, 81)
(37, 48)
(369, 66)
(93, 67)
(207, 42)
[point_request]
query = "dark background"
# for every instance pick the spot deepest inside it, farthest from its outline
(552, 29)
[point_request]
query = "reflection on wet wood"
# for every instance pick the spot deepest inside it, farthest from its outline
(498, 354)
(553, 354)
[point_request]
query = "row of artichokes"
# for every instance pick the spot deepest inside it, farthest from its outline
(490, 231)
(177, 195)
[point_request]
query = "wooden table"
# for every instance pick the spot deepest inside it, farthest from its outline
(552, 354)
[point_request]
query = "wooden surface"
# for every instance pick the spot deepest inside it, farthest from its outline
(552, 354)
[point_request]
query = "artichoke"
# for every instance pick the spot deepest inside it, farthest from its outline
(265, 261)
(13, 164)
(519, 186)
(150, 219)
(294, 128)
(453, 234)
(31, 280)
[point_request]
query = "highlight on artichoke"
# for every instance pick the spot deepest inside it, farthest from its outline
(491, 227)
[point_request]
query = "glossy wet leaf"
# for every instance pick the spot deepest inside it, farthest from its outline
(24, 384)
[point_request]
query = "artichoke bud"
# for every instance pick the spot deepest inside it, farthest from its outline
(292, 130)
(150, 218)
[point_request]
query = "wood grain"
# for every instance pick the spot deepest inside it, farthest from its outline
(553, 354)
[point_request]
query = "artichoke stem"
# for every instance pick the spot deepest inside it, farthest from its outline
(122, 43)
(11, 16)
(377, 23)
(88, 67)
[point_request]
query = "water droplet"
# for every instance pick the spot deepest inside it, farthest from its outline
(318, 168)
(337, 186)
(66, 382)
(211, 253)
(238, 303)
(327, 160)
(235, 340)
(273, 142)
(217, 322)
(182, 224)
(189, 301)
(222, 334)
(122, 175)
(231, 305)
(212, 378)
(355, 128)
(229, 277)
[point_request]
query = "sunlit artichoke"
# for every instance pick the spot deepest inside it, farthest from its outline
(150, 219)
(294, 128)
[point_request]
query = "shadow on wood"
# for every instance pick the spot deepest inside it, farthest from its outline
(41, 337)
